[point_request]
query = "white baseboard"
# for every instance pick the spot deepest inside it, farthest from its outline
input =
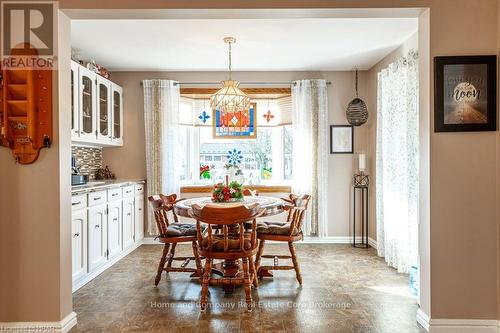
(80, 283)
(457, 325)
(464, 326)
(423, 319)
(307, 240)
(62, 326)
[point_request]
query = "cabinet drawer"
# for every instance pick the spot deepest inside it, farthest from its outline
(139, 189)
(128, 191)
(97, 198)
(78, 201)
(114, 194)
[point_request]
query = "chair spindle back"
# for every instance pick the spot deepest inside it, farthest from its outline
(297, 201)
(231, 220)
(161, 211)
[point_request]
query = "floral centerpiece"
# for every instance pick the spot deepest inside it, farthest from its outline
(229, 192)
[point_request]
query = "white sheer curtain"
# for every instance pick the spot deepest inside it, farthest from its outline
(161, 120)
(397, 163)
(310, 150)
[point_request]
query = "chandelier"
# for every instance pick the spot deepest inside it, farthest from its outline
(229, 98)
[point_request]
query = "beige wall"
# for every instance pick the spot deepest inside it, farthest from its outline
(35, 234)
(340, 92)
(498, 183)
(463, 173)
(463, 166)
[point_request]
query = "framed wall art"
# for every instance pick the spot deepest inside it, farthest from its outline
(465, 96)
(341, 139)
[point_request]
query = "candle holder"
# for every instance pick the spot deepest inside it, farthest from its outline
(361, 180)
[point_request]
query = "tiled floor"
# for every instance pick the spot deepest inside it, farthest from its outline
(345, 290)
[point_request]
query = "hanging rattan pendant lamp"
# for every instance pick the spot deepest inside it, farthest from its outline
(357, 112)
(229, 98)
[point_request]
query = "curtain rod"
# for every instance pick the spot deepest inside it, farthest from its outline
(242, 83)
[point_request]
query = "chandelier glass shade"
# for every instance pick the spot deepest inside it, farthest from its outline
(230, 98)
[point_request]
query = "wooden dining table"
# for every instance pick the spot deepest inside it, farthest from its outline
(231, 268)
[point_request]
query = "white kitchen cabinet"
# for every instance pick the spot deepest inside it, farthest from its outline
(128, 222)
(97, 109)
(87, 104)
(103, 109)
(97, 235)
(79, 244)
(75, 105)
(117, 114)
(107, 223)
(114, 228)
(139, 218)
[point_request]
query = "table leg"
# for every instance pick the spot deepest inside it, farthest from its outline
(228, 269)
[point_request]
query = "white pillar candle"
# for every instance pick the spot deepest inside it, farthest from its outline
(362, 162)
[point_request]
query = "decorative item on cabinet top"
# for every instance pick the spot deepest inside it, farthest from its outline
(26, 112)
(98, 69)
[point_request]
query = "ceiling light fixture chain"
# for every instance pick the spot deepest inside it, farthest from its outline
(356, 84)
(230, 64)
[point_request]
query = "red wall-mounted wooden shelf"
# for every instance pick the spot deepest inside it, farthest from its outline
(26, 112)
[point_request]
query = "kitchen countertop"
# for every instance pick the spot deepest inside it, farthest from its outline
(104, 184)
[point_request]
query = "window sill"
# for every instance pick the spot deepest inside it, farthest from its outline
(258, 188)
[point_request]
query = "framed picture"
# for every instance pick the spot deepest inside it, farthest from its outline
(465, 97)
(238, 125)
(341, 139)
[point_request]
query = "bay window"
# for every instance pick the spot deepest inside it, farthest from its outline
(267, 159)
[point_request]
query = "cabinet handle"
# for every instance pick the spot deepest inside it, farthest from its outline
(140, 209)
(128, 191)
(76, 235)
(97, 226)
(95, 199)
(75, 203)
(115, 220)
(128, 214)
(114, 194)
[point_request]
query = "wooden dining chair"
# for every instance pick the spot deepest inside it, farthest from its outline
(232, 244)
(289, 231)
(171, 233)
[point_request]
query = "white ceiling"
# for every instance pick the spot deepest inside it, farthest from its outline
(262, 44)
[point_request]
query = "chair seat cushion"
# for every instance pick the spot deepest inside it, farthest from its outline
(233, 243)
(181, 229)
(274, 228)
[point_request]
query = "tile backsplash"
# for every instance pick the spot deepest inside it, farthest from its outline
(88, 160)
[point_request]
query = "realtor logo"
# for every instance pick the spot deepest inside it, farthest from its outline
(28, 34)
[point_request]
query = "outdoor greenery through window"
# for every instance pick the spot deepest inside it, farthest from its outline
(266, 159)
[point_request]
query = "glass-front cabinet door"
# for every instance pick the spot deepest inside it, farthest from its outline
(103, 109)
(75, 119)
(87, 104)
(117, 108)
